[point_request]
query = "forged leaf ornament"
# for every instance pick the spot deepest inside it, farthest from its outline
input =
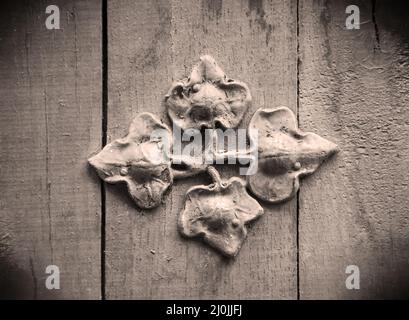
(218, 213)
(141, 160)
(147, 160)
(207, 98)
(285, 154)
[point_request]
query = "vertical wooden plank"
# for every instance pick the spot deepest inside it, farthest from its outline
(50, 122)
(354, 90)
(151, 44)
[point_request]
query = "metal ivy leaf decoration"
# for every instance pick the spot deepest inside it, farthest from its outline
(207, 98)
(285, 154)
(218, 213)
(140, 160)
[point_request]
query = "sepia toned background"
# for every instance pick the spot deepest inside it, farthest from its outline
(65, 93)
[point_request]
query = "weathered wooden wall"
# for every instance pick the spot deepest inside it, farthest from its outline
(350, 86)
(50, 121)
(354, 89)
(150, 45)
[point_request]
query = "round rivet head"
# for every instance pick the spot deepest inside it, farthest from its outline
(297, 166)
(235, 223)
(123, 171)
(196, 87)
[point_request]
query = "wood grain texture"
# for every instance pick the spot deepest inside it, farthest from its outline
(354, 90)
(151, 44)
(50, 122)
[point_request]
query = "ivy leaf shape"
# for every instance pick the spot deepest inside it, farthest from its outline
(218, 213)
(207, 98)
(141, 160)
(285, 154)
